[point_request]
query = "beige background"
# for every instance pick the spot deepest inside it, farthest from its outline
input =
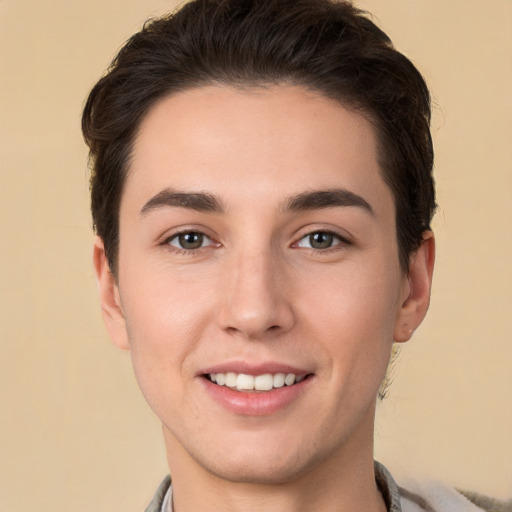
(75, 432)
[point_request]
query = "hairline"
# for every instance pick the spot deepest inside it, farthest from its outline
(252, 86)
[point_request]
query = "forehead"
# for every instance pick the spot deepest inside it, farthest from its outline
(234, 143)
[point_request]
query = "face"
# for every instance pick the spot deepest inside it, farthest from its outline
(259, 286)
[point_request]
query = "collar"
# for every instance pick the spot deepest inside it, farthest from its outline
(162, 500)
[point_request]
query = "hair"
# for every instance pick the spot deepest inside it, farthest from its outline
(326, 46)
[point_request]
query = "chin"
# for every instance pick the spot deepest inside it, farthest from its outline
(261, 472)
(263, 463)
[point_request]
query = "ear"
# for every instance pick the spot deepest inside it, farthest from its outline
(110, 299)
(416, 296)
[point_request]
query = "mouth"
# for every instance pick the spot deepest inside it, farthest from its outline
(256, 389)
(255, 383)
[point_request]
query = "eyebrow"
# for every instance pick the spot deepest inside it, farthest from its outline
(200, 201)
(205, 202)
(317, 199)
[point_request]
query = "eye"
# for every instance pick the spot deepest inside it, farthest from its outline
(320, 240)
(189, 240)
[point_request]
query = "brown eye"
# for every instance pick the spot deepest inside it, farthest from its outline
(189, 240)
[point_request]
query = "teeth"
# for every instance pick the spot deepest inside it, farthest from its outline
(279, 380)
(265, 382)
(289, 379)
(244, 382)
(231, 379)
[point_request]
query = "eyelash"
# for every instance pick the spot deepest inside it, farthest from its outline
(190, 251)
(341, 242)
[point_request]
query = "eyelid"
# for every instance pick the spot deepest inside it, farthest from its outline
(172, 234)
(177, 235)
(342, 238)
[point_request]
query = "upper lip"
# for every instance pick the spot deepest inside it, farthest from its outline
(252, 368)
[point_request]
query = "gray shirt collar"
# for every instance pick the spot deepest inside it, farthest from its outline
(162, 499)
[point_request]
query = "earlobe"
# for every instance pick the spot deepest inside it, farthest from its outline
(416, 298)
(110, 300)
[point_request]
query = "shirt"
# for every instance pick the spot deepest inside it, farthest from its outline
(419, 497)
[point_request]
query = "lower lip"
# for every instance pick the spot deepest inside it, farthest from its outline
(256, 403)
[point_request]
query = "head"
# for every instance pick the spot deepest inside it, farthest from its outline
(327, 47)
(262, 194)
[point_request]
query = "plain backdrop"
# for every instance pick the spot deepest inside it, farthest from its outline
(75, 431)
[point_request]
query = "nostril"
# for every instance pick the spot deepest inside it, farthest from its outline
(253, 315)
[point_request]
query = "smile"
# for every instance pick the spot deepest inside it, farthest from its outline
(264, 382)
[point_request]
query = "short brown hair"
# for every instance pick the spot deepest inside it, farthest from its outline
(327, 46)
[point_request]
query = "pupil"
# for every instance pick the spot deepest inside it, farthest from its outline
(321, 240)
(191, 240)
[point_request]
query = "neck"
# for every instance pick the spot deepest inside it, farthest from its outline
(350, 494)
(342, 482)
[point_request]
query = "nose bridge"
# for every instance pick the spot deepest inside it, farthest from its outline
(255, 301)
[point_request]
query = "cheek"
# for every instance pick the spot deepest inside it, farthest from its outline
(165, 317)
(164, 304)
(358, 298)
(162, 337)
(353, 318)
(162, 323)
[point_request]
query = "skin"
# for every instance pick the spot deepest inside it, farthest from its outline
(256, 291)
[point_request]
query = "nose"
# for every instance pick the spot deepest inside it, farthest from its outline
(257, 299)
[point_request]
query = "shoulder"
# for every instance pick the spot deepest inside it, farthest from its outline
(487, 503)
(432, 496)
(159, 497)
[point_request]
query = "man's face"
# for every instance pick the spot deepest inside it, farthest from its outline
(258, 243)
